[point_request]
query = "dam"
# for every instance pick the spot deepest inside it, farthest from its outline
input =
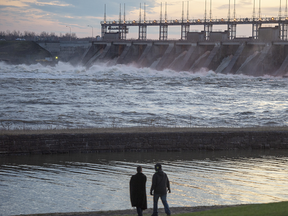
(264, 53)
(255, 58)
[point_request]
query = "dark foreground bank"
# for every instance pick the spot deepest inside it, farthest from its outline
(268, 209)
(174, 210)
(141, 139)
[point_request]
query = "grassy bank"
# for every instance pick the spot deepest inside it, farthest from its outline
(270, 209)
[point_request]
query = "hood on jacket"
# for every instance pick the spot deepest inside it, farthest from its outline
(158, 167)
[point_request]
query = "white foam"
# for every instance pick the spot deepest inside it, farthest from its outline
(64, 70)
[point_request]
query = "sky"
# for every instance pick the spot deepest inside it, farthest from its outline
(83, 17)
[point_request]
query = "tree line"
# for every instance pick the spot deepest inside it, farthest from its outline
(43, 36)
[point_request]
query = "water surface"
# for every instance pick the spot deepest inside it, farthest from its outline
(94, 182)
(66, 96)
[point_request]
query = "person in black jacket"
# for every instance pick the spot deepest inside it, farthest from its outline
(159, 187)
(138, 191)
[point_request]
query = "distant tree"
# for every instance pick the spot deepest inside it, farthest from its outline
(73, 36)
(16, 34)
(2, 34)
(29, 35)
(44, 35)
(32, 36)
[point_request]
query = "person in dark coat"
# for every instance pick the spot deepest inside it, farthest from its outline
(159, 187)
(138, 191)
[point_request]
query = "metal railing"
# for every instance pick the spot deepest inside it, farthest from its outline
(197, 21)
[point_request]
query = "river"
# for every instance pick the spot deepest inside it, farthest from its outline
(65, 96)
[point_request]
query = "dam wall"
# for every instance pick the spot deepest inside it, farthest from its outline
(67, 51)
(153, 140)
(249, 57)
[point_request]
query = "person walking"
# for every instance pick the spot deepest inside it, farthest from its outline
(138, 191)
(159, 187)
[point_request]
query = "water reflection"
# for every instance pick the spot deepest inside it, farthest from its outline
(94, 182)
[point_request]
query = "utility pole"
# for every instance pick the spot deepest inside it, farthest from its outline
(280, 12)
(92, 29)
(70, 32)
(229, 12)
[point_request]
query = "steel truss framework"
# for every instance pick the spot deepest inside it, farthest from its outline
(122, 27)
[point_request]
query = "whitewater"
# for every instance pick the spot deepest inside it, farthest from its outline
(66, 96)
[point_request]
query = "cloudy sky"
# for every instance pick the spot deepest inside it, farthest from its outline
(55, 16)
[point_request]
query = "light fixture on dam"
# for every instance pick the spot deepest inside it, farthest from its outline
(272, 18)
(198, 21)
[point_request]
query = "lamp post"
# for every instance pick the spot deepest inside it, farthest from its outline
(70, 32)
(92, 29)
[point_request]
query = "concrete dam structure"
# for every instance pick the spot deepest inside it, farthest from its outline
(248, 57)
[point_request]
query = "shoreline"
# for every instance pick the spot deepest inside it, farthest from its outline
(131, 212)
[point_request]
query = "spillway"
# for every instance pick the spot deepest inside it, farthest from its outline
(228, 57)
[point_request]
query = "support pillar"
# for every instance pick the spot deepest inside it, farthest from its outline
(142, 32)
(184, 30)
(207, 30)
(283, 27)
(123, 31)
(103, 30)
(255, 29)
(163, 32)
(232, 30)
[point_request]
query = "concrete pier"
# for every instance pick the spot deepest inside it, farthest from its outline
(141, 139)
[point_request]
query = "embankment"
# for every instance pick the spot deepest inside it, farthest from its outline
(141, 139)
(23, 52)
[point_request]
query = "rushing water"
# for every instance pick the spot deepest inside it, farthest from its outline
(66, 96)
(95, 182)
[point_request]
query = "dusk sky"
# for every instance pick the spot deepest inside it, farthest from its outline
(54, 16)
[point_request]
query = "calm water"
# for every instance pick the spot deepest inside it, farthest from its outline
(75, 97)
(94, 182)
